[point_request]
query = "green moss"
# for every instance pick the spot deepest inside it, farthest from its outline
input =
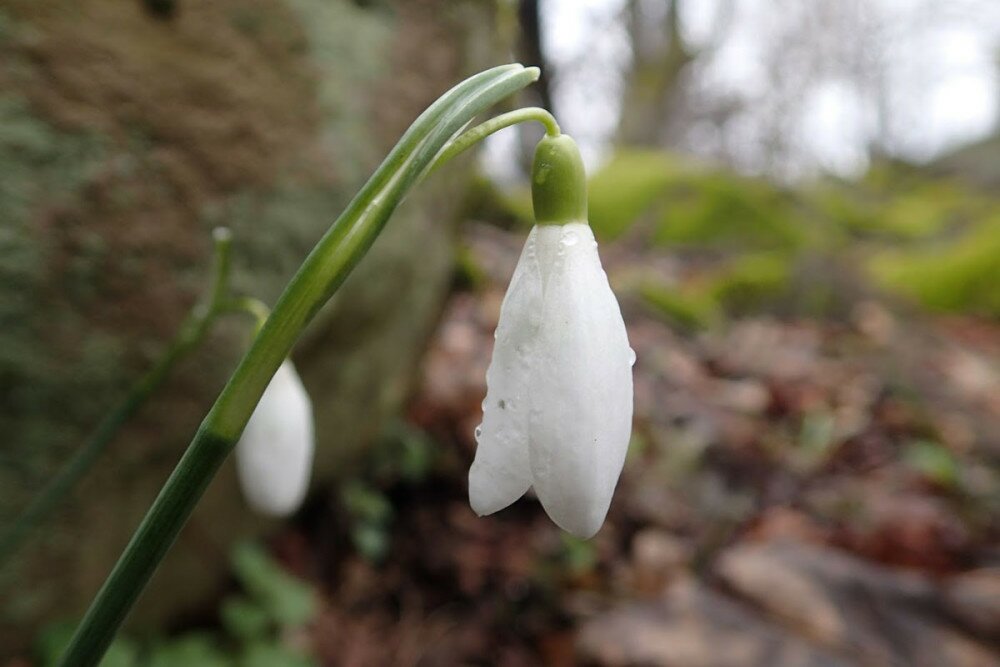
(910, 212)
(920, 214)
(689, 307)
(626, 188)
(961, 276)
(468, 271)
(276, 227)
(752, 283)
(42, 168)
(724, 210)
(749, 284)
(6, 26)
(517, 203)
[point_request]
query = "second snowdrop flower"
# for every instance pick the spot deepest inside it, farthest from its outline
(558, 408)
(275, 453)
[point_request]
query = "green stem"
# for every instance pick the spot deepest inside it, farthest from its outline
(191, 333)
(468, 139)
(323, 271)
(248, 305)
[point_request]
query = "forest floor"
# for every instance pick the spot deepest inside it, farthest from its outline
(797, 492)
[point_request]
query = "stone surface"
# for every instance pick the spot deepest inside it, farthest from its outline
(876, 615)
(695, 627)
(791, 604)
(657, 558)
(124, 137)
(974, 598)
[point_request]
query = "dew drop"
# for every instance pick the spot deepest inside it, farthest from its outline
(631, 357)
(479, 432)
(569, 239)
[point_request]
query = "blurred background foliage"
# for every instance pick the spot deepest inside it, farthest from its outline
(906, 233)
(797, 205)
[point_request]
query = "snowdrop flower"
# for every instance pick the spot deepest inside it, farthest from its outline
(558, 408)
(274, 455)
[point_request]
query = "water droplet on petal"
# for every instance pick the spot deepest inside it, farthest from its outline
(479, 432)
(570, 239)
(631, 357)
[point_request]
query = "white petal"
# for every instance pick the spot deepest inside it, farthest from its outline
(274, 454)
(581, 382)
(500, 473)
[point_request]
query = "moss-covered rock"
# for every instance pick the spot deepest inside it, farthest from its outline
(958, 276)
(626, 188)
(125, 135)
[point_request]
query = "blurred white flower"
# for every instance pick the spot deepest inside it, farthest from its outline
(558, 408)
(274, 455)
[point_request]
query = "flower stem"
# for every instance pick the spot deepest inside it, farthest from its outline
(191, 333)
(248, 305)
(323, 271)
(471, 137)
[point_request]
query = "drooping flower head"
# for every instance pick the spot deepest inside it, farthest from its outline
(274, 455)
(558, 410)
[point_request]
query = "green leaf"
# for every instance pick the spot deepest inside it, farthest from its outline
(285, 599)
(371, 541)
(816, 437)
(367, 504)
(580, 556)
(406, 453)
(188, 651)
(264, 654)
(933, 461)
(243, 618)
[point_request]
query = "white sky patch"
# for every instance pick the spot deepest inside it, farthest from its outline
(951, 83)
(697, 19)
(940, 80)
(588, 49)
(836, 126)
(960, 109)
